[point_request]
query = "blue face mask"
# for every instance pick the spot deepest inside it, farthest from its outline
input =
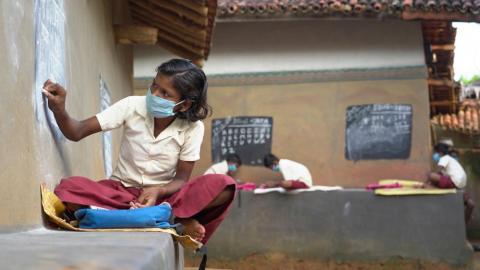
(232, 167)
(159, 107)
(436, 157)
(276, 168)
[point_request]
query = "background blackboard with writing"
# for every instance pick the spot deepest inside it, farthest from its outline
(378, 131)
(247, 136)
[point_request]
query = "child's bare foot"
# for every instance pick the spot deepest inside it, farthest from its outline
(73, 206)
(193, 228)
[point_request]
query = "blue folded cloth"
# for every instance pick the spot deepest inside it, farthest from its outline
(148, 217)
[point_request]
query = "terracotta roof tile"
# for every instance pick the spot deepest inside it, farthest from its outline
(466, 120)
(459, 10)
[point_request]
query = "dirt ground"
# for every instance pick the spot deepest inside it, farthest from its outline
(278, 261)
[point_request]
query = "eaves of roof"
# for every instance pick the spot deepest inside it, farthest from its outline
(448, 10)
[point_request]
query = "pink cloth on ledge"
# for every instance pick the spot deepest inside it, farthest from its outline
(376, 185)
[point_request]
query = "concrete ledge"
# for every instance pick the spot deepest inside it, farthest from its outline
(47, 249)
(348, 225)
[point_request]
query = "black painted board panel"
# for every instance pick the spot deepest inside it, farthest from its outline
(378, 131)
(250, 137)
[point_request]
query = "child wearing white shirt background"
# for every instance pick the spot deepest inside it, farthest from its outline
(227, 167)
(450, 174)
(295, 175)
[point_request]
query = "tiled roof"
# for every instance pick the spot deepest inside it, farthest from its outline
(453, 10)
(464, 121)
(184, 26)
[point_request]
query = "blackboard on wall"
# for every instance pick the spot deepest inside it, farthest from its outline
(378, 131)
(250, 137)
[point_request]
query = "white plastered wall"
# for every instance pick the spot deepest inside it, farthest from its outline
(252, 47)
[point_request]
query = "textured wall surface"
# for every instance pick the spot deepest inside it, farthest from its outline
(309, 127)
(301, 45)
(30, 152)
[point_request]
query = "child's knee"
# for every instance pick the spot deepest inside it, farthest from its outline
(227, 193)
(224, 196)
(435, 177)
(469, 203)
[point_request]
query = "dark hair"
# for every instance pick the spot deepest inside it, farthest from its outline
(269, 160)
(192, 83)
(234, 158)
(454, 153)
(442, 148)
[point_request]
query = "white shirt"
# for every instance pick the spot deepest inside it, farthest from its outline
(452, 168)
(218, 168)
(144, 159)
(292, 170)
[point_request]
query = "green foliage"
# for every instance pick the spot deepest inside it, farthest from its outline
(466, 81)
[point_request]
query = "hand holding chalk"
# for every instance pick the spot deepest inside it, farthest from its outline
(46, 92)
(56, 95)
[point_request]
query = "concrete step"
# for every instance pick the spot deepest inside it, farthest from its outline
(47, 249)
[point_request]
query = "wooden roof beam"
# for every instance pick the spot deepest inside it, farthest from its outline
(176, 42)
(439, 82)
(442, 47)
(198, 8)
(135, 34)
(182, 36)
(175, 46)
(172, 21)
(180, 11)
(173, 40)
(442, 103)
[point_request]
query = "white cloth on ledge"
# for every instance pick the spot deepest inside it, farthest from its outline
(296, 191)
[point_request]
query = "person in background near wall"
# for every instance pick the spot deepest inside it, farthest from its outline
(450, 174)
(451, 150)
(162, 135)
(227, 167)
(295, 175)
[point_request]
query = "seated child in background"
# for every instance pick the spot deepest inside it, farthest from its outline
(450, 174)
(451, 151)
(295, 175)
(226, 167)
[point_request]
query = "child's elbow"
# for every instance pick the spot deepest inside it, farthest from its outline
(74, 138)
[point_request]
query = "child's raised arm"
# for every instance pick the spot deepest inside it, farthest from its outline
(72, 129)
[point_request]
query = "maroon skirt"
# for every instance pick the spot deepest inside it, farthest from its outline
(188, 202)
(446, 182)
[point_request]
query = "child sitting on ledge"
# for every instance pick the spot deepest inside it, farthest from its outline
(295, 175)
(450, 174)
